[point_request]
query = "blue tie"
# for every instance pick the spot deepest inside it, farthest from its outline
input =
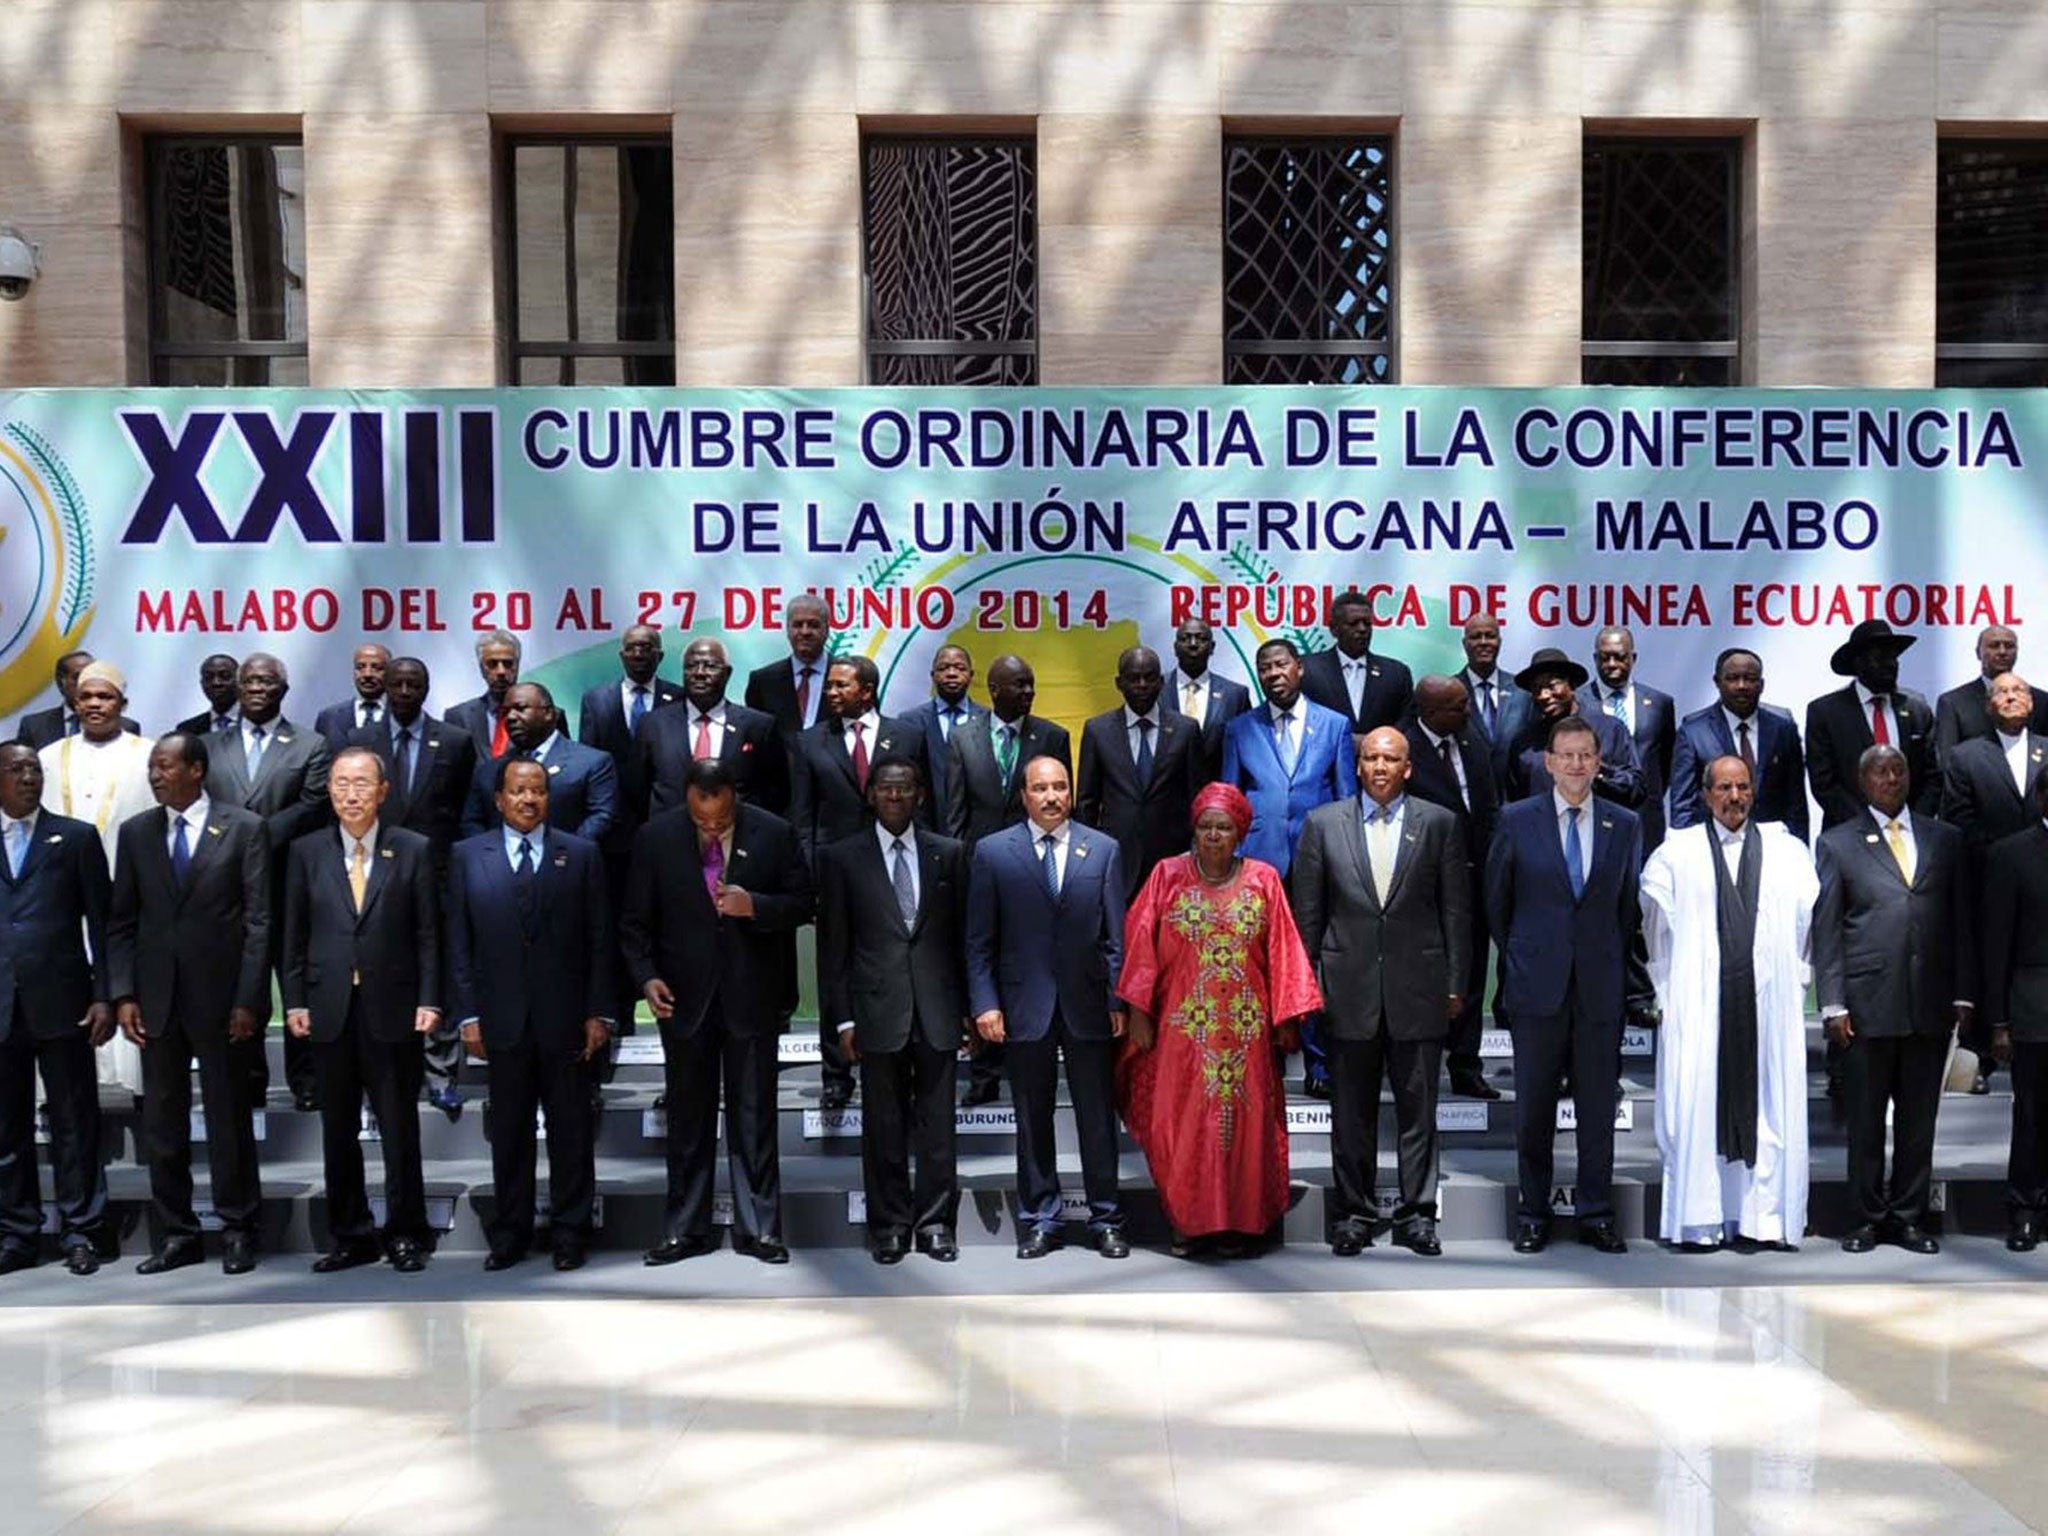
(406, 749)
(1144, 751)
(17, 848)
(255, 751)
(639, 707)
(1050, 865)
(181, 851)
(1574, 852)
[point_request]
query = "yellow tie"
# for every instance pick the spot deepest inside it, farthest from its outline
(358, 874)
(1901, 850)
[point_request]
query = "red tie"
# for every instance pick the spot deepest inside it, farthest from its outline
(803, 696)
(1878, 733)
(499, 740)
(702, 746)
(860, 758)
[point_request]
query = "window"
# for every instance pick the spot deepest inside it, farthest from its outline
(1991, 264)
(591, 261)
(1308, 269)
(951, 231)
(227, 260)
(1661, 261)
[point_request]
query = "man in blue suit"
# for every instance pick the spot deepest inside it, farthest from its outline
(1646, 713)
(1289, 757)
(1561, 899)
(1743, 726)
(945, 711)
(583, 786)
(1045, 931)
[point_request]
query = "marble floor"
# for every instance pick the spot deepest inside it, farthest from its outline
(1866, 1408)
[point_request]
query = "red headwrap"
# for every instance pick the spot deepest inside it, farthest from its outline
(1228, 799)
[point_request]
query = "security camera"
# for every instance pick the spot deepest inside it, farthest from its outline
(19, 263)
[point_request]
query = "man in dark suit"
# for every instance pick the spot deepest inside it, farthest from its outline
(1196, 692)
(1895, 969)
(1451, 767)
(270, 766)
(1644, 712)
(497, 662)
(1369, 691)
(529, 960)
(362, 983)
(1045, 924)
(218, 676)
(1550, 684)
(1139, 770)
(1871, 710)
(1565, 915)
(716, 894)
(38, 729)
(583, 787)
(1963, 713)
(188, 960)
(1382, 888)
(1492, 692)
(338, 722)
(709, 724)
(2015, 970)
(792, 690)
(892, 910)
(54, 1013)
(1741, 725)
(945, 711)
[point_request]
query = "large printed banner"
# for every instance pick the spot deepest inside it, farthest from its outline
(154, 527)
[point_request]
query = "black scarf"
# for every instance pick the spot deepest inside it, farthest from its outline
(1735, 903)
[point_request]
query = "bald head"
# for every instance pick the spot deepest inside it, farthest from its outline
(1442, 705)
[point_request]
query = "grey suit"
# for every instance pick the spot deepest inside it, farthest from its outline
(1388, 969)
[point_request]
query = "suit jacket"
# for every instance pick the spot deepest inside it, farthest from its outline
(1780, 778)
(2015, 933)
(1979, 798)
(1032, 954)
(1430, 780)
(444, 766)
(979, 800)
(1149, 821)
(601, 723)
(1325, 769)
(534, 991)
(1509, 701)
(1654, 736)
(390, 952)
(337, 723)
(44, 726)
(53, 917)
(1385, 967)
(290, 790)
(874, 971)
(1383, 701)
(772, 691)
(825, 799)
(473, 716)
(938, 755)
(1551, 942)
(1838, 733)
(753, 748)
(193, 955)
(1519, 768)
(1896, 958)
(583, 792)
(670, 929)
(1227, 700)
(1964, 714)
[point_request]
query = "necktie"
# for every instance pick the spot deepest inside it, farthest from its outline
(1354, 684)
(1190, 699)
(181, 850)
(803, 697)
(639, 708)
(17, 848)
(701, 747)
(407, 759)
(359, 873)
(1879, 733)
(899, 876)
(1743, 747)
(71, 725)
(525, 869)
(1287, 751)
(526, 888)
(1616, 703)
(1050, 864)
(1486, 705)
(1448, 751)
(860, 756)
(714, 867)
(1006, 752)
(1144, 751)
(948, 718)
(1574, 852)
(255, 751)
(223, 722)
(371, 714)
(499, 740)
(1379, 847)
(1902, 851)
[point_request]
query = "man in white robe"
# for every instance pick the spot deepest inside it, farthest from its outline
(1733, 1139)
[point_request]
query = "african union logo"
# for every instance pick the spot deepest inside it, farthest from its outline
(45, 565)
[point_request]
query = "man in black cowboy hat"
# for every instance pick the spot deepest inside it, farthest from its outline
(1550, 684)
(1873, 710)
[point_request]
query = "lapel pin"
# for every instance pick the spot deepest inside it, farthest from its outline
(1080, 850)
(1870, 837)
(739, 853)
(54, 837)
(283, 740)
(434, 743)
(213, 831)
(386, 853)
(554, 768)
(1606, 823)
(561, 861)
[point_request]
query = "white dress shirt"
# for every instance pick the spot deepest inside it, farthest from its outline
(1131, 719)
(1563, 808)
(1357, 673)
(538, 837)
(2016, 758)
(8, 834)
(626, 687)
(714, 717)
(194, 816)
(1736, 723)
(796, 681)
(1197, 707)
(1436, 745)
(1062, 841)
(348, 847)
(1891, 715)
(1628, 704)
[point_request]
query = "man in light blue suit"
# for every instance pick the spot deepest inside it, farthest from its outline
(1045, 924)
(1289, 757)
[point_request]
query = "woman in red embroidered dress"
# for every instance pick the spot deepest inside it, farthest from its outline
(1217, 980)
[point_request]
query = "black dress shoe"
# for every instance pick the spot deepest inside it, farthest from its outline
(1915, 1239)
(1602, 1236)
(1112, 1244)
(673, 1250)
(237, 1253)
(80, 1259)
(1860, 1239)
(769, 1250)
(305, 1101)
(1316, 1088)
(1980, 1084)
(15, 1257)
(175, 1254)
(345, 1256)
(502, 1258)
(938, 1245)
(1531, 1237)
(891, 1247)
(1037, 1243)
(569, 1256)
(448, 1101)
(1472, 1086)
(838, 1093)
(979, 1092)
(407, 1256)
(2023, 1236)
(1419, 1236)
(1349, 1239)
